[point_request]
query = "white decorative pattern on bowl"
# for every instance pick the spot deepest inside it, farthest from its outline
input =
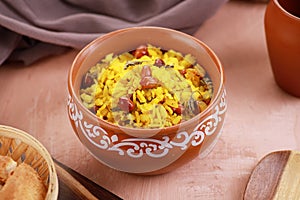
(143, 146)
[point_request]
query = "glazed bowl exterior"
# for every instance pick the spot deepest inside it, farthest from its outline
(138, 150)
(282, 31)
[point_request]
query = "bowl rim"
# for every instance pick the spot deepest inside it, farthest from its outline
(103, 123)
(283, 10)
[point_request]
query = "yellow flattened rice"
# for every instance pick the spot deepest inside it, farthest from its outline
(147, 88)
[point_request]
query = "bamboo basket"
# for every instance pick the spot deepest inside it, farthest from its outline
(22, 147)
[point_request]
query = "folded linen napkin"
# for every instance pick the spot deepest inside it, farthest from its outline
(32, 29)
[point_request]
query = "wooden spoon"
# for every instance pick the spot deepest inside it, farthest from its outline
(276, 176)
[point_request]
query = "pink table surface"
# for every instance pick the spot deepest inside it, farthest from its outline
(261, 117)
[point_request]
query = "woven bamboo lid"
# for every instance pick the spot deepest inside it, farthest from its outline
(22, 147)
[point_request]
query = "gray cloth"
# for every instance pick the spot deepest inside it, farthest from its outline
(32, 29)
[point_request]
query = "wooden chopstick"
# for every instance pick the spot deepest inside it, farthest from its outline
(74, 185)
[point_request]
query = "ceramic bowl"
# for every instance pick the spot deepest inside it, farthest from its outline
(22, 147)
(282, 32)
(147, 151)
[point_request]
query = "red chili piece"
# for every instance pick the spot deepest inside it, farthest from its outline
(149, 82)
(178, 110)
(140, 51)
(182, 72)
(125, 104)
(146, 71)
(159, 62)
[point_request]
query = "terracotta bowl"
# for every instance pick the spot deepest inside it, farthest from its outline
(147, 151)
(282, 31)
